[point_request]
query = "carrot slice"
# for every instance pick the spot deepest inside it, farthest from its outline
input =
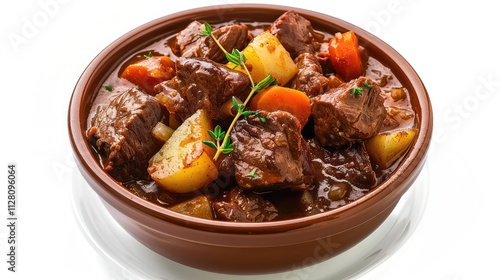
(282, 98)
(345, 55)
(149, 72)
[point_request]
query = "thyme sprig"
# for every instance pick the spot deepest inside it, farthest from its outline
(235, 56)
(223, 143)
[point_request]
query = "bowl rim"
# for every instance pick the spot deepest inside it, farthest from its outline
(114, 193)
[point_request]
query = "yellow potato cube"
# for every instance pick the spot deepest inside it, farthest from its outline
(196, 207)
(184, 164)
(385, 148)
(265, 55)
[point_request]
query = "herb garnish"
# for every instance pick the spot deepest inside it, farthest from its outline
(235, 57)
(219, 136)
(108, 88)
(359, 90)
(223, 143)
(253, 174)
(356, 91)
(148, 56)
(367, 85)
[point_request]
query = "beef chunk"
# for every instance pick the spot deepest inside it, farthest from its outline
(310, 77)
(121, 132)
(239, 206)
(354, 111)
(201, 84)
(340, 175)
(294, 32)
(351, 164)
(191, 44)
(271, 154)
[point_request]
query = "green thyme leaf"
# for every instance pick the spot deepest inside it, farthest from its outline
(238, 107)
(212, 134)
(245, 114)
(228, 147)
(233, 59)
(219, 133)
(253, 174)
(210, 144)
(207, 31)
(367, 85)
(148, 56)
(108, 88)
(356, 91)
(264, 83)
(241, 56)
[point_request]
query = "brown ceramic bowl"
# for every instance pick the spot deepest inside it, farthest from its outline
(245, 248)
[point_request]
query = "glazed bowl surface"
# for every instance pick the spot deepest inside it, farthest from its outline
(245, 248)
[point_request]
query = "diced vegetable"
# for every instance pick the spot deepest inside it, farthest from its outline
(306, 198)
(282, 98)
(398, 94)
(162, 132)
(338, 191)
(265, 55)
(174, 121)
(198, 206)
(385, 148)
(345, 55)
(149, 72)
(228, 107)
(184, 164)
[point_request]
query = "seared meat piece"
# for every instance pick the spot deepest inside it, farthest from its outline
(201, 84)
(271, 154)
(347, 164)
(121, 132)
(192, 44)
(341, 175)
(310, 77)
(294, 32)
(354, 111)
(239, 206)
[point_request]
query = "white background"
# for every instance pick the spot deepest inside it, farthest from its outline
(46, 44)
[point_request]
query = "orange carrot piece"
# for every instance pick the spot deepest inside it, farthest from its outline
(282, 98)
(345, 55)
(149, 72)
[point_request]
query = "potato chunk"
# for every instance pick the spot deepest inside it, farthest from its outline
(184, 164)
(196, 207)
(385, 148)
(265, 55)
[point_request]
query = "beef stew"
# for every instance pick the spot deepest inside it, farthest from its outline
(278, 168)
